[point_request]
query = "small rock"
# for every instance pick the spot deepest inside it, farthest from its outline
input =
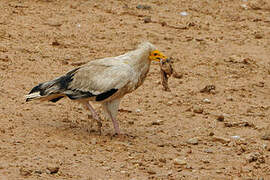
(178, 76)
(220, 118)
(229, 98)
(93, 141)
(25, 172)
(147, 20)
(258, 35)
(235, 59)
(178, 161)
(251, 157)
(169, 173)
(211, 134)
(183, 13)
(218, 171)
(198, 109)
(143, 7)
(131, 122)
(208, 151)
(38, 171)
(244, 6)
(55, 43)
(236, 137)
(221, 139)
(206, 101)
(193, 141)
(208, 89)
(264, 146)
(53, 169)
(158, 122)
(53, 22)
(137, 110)
(266, 135)
(170, 103)
(163, 23)
(205, 161)
(163, 160)
(151, 171)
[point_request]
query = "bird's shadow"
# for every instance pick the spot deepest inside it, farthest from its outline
(88, 128)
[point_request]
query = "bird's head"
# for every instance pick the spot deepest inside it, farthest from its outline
(156, 56)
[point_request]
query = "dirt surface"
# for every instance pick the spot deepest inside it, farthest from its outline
(214, 124)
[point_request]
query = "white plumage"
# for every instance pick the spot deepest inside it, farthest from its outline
(104, 80)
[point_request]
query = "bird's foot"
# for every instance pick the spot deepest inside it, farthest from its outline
(97, 119)
(123, 137)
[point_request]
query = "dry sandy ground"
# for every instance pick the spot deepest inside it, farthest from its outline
(183, 134)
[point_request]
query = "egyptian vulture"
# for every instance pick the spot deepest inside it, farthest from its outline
(104, 80)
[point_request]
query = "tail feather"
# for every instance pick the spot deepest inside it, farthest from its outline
(34, 95)
(51, 90)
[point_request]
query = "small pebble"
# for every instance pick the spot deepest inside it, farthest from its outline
(163, 160)
(38, 171)
(208, 89)
(183, 13)
(264, 146)
(252, 157)
(147, 20)
(53, 169)
(130, 122)
(258, 35)
(193, 141)
(170, 103)
(229, 98)
(169, 173)
(55, 43)
(266, 136)
(236, 137)
(244, 6)
(218, 171)
(93, 141)
(206, 101)
(137, 110)
(220, 118)
(211, 134)
(144, 7)
(25, 172)
(221, 139)
(158, 122)
(178, 161)
(198, 109)
(208, 150)
(151, 171)
(205, 161)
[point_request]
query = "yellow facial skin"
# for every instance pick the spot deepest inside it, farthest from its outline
(156, 56)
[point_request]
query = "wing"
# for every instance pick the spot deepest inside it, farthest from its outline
(99, 79)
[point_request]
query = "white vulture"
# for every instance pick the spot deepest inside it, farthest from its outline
(104, 80)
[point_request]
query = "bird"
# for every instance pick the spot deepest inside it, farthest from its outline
(106, 81)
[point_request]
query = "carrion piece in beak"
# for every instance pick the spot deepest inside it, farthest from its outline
(166, 70)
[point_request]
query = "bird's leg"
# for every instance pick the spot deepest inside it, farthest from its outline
(115, 124)
(111, 108)
(95, 116)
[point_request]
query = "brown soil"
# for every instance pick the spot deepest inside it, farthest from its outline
(221, 132)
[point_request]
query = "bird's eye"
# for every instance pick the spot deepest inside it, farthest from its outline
(155, 54)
